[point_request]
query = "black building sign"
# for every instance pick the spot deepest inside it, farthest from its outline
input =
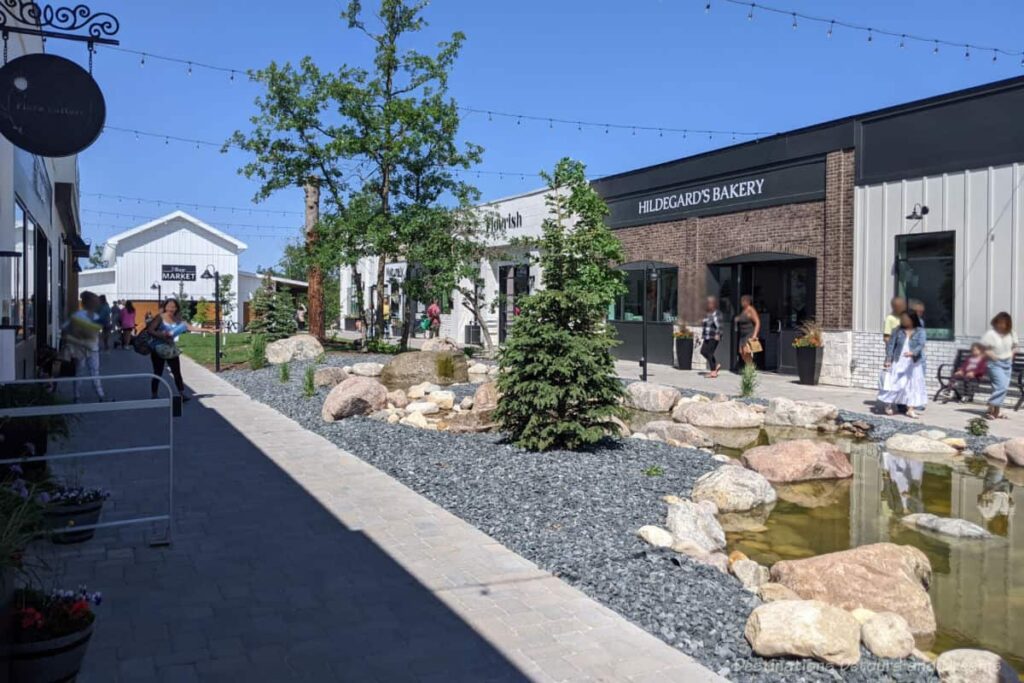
(178, 273)
(802, 182)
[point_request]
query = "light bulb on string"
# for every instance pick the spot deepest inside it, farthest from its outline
(967, 51)
(750, 14)
(870, 36)
(489, 118)
(232, 77)
(995, 56)
(661, 133)
(794, 21)
(551, 124)
(634, 132)
(903, 41)
(1022, 58)
(519, 121)
(935, 50)
(831, 25)
(189, 71)
(142, 61)
(707, 8)
(606, 130)
(579, 126)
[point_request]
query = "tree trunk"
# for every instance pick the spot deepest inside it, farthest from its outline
(315, 277)
(357, 282)
(407, 315)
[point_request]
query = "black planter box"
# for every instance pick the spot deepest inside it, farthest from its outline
(684, 353)
(473, 335)
(808, 363)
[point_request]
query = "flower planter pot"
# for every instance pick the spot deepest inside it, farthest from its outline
(71, 516)
(49, 661)
(808, 363)
(352, 324)
(684, 353)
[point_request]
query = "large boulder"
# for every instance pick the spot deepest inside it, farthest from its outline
(917, 443)
(728, 414)
(441, 344)
(683, 433)
(786, 412)
(883, 577)
(772, 592)
(804, 628)
(799, 460)
(445, 400)
(736, 439)
(329, 376)
(398, 399)
(415, 367)
(974, 666)
(734, 489)
(887, 635)
(1011, 451)
(470, 422)
(486, 396)
(945, 526)
(354, 396)
(654, 398)
(298, 347)
(750, 574)
(366, 369)
(694, 527)
(817, 493)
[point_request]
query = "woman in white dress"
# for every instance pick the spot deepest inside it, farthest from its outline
(903, 378)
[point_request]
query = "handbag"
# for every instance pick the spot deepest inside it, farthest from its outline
(166, 350)
(141, 343)
(754, 345)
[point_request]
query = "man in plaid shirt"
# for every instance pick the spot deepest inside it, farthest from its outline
(711, 335)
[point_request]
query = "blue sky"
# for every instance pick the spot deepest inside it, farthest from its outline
(661, 63)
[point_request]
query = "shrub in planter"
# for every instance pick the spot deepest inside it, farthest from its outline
(70, 507)
(20, 522)
(810, 346)
(51, 633)
(684, 348)
(27, 437)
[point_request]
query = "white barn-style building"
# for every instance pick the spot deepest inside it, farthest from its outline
(507, 273)
(167, 257)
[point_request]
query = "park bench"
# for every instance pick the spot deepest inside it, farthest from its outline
(984, 384)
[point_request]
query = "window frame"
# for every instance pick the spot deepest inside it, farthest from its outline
(900, 244)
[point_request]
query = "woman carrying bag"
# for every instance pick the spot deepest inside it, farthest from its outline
(903, 378)
(161, 336)
(748, 325)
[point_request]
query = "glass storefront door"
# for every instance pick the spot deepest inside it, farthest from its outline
(783, 290)
(513, 282)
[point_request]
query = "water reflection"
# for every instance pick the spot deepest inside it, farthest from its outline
(977, 586)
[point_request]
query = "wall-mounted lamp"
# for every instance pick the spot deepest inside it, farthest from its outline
(919, 212)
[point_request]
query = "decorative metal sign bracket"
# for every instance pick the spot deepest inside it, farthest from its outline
(77, 23)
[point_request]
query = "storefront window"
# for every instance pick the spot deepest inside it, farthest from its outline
(27, 301)
(661, 293)
(925, 271)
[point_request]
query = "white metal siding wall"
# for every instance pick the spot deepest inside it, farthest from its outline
(140, 261)
(986, 210)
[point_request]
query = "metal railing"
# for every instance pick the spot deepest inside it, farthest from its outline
(105, 407)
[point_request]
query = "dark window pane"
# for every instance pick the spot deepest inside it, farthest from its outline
(668, 295)
(926, 271)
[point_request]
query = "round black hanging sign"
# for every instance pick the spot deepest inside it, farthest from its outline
(49, 105)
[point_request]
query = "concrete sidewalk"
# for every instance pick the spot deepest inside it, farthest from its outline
(946, 416)
(294, 560)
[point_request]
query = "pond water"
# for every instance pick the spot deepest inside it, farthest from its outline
(977, 588)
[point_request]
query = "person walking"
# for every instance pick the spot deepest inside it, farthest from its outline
(903, 379)
(115, 323)
(1000, 344)
(434, 315)
(711, 335)
(165, 328)
(300, 317)
(103, 317)
(81, 335)
(127, 324)
(748, 325)
(892, 321)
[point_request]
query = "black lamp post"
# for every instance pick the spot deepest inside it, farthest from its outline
(650, 276)
(211, 273)
(159, 291)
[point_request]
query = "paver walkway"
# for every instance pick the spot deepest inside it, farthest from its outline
(294, 560)
(946, 416)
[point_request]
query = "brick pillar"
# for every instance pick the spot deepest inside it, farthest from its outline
(835, 307)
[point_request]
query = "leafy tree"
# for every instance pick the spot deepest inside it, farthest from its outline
(273, 312)
(295, 263)
(96, 259)
(380, 141)
(557, 379)
(227, 297)
(203, 314)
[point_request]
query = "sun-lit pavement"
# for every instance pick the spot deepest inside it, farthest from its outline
(293, 560)
(948, 416)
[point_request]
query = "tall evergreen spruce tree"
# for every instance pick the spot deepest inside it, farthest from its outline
(557, 380)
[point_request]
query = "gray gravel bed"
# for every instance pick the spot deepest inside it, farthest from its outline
(574, 514)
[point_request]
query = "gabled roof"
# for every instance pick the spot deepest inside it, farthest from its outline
(238, 244)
